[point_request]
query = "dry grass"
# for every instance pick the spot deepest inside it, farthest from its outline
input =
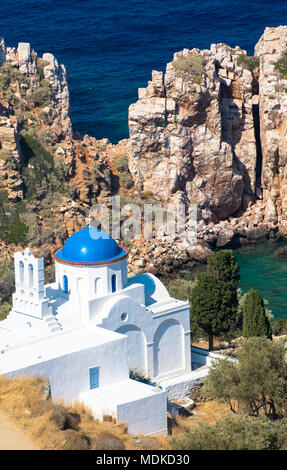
(205, 412)
(192, 64)
(57, 427)
(217, 344)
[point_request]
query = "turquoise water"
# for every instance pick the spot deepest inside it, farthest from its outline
(262, 270)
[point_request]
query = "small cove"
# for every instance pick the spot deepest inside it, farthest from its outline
(261, 268)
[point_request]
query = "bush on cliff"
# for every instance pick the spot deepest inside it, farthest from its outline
(192, 64)
(281, 64)
(40, 66)
(126, 181)
(37, 160)
(122, 166)
(12, 229)
(248, 62)
(41, 97)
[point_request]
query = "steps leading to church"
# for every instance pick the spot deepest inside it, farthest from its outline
(52, 323)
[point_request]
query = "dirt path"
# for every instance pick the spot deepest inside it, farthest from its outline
(10, 437)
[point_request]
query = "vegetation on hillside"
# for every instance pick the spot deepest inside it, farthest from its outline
(192, 64)
(255, 390)
(122, 166)
(256, 384)
(53, 426)
(281, 64)
(248, 62)
(12, 229)
(237, 432)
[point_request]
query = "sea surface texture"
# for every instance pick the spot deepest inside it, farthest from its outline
(110, 47)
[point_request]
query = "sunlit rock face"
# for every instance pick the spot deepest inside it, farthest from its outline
(273, 123)
(194, 131)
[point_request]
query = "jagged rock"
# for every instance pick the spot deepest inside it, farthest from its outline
(273, 121)
(197, 135)
(224, 238)
(9, 136)
(2, 51)
(57, 77)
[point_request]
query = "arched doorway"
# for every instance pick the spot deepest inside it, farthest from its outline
(136, 347)
(168, 348)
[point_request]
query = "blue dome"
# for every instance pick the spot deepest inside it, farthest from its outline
(90, 246)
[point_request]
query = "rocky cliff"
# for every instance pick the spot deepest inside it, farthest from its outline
(213, 127)
(211, 130)
(49, 176)
(193, 130)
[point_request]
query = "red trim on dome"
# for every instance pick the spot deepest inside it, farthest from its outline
(96, 263)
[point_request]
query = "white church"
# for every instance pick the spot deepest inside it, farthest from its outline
(89, 328)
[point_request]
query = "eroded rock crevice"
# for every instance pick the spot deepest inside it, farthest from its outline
(224, 138)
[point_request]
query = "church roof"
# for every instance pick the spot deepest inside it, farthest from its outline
(90, 246)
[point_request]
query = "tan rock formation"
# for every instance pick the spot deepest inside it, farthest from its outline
(195, 133)
(57, 77)
(273, 123)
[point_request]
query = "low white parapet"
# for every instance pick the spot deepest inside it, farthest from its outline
(142, 407)
(180, 387)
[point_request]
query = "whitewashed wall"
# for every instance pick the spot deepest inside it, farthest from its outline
(69, 374)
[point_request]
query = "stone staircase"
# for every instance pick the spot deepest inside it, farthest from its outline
(52, 323)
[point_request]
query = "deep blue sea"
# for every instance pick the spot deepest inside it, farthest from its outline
(110, 47)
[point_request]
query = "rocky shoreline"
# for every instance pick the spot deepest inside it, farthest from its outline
(210, 131)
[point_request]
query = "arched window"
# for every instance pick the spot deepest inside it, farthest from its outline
(30, 271)
(65, 284)
(21, 269)
(114, 283)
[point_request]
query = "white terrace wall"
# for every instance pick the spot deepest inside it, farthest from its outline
(69, 374)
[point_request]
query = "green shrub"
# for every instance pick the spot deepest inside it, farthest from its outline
(41, 97)
(40, 66)
(7, 284)
(281, 64)
(139, 376)
(5, 308)
(126, 180)
(12, 229)
(121, 164)
(231, 433)
(46, 138)
(39, 163)
(256, 384)
(279, 326)
(248, 62)
(192, 64)
(5, 155)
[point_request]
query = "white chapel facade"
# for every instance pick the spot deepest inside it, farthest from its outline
(89, 328)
